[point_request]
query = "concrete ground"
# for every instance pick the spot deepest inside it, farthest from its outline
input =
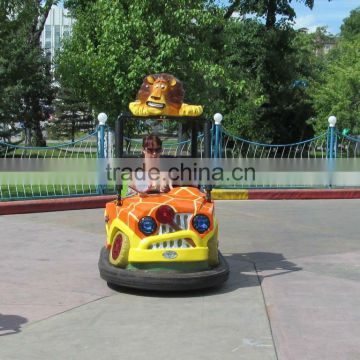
(293, 292)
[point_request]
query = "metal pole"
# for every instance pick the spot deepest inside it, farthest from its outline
(119, 136)
(102, 118)
(332, 151)
(327, 143)
(194, 149)
(207, 152)
(102, 141)
(331, 142)
(216, 147)
(207, 139)
(119, 150)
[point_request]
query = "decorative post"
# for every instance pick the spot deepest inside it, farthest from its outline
(331, 149)
(217, 146)
(332, 141)
(102, 117)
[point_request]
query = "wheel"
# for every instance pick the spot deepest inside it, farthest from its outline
(119, 251)
(213, 251)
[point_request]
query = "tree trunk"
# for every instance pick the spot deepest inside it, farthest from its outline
(271, 14)
(39, 22)
(72, 130)
(34, 40)
(39, 138)
(27, 135)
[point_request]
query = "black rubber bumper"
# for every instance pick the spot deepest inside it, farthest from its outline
(161, 280)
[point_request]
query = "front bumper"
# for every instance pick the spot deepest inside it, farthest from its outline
(165, 247)
(162, 280)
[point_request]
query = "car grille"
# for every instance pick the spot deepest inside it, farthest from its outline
(171, 244)
(183, 220)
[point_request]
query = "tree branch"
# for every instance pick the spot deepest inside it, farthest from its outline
(40, 21)
(231, 9)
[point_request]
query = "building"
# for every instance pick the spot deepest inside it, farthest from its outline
(57, 27)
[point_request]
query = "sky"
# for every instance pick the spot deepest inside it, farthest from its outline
(324, 13)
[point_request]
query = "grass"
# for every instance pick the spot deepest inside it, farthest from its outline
(48, 154)
(17, 192)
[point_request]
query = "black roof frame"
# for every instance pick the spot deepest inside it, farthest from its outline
(196, 123)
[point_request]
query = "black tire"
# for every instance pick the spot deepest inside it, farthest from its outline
(162, 281)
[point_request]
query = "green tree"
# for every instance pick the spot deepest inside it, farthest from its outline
(268, 72)
(72, 115)
(267, 9)
(338, 90)
(351, 25)
(25, 79)
(115, 44)
(244, 68)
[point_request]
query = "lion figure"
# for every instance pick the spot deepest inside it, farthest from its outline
(162, 94)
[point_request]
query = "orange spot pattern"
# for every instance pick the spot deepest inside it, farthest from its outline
(182, 200)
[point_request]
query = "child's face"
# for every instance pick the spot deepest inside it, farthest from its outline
(153, 150)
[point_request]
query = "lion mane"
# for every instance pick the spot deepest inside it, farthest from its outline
(162, 94)
(174, 95)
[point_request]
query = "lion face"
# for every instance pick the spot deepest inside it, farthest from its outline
(162, 94)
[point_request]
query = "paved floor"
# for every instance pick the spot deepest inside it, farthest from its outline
(293, 292)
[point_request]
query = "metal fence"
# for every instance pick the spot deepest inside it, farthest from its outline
(346, 146)
(100, 144)
(230, 146)
(85, 147)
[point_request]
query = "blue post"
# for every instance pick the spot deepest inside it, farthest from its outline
(332, 152)
(332, 134)
(327, 143)
(102, 117)
(331, 149)
(102, 141)
(217, 146)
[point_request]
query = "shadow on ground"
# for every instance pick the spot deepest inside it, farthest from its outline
(245, 271)
(11, 324)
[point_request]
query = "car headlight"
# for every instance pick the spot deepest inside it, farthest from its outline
(201, 223)
(147, 225)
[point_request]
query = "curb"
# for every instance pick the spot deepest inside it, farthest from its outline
(229, 194)
(95, 202)
(286, 194)
(46, 205)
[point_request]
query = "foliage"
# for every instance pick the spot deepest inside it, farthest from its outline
(115, 44)
(270, 10)
(338, 90)
(266, 97)
(351, 26)
(72, 115)
(25, 80)
(256, 74)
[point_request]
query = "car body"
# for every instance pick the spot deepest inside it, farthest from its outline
(178, 255)
(138, 247)
(167, 241)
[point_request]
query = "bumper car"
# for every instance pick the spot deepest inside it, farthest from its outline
(163, 241)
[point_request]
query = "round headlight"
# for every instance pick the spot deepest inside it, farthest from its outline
(201, 223)
(147, 225)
